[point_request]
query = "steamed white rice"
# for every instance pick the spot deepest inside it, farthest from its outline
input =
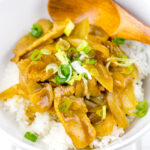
(51, 132)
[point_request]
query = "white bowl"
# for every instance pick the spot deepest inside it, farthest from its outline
(16, 18)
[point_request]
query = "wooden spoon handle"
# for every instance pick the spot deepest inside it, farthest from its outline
(131, 28)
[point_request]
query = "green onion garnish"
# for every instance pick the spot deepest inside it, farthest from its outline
(62, 45)
(85, 75)
(142, 108)
(69, 27)
(70, 55)
(62, 56)
(36, 55)
(99, 112)
(36, 30)
(60, 80)
(30, 136)
(53, 67)
(119, 40)
(64, 107)
(91, 61)
(65, 69)
(82, 45)
(74, 77)
(46, 51)
(87, 50)
(122, 62)
(104, 112)
(122, 56)
(131, 70)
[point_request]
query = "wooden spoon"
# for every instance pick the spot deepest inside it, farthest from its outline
(108, 15)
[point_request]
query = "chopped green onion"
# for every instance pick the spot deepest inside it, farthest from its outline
(122, 62)
(53, 67)
(65, 69)
(91, 61)
(131, 70)
(75, 77)
(62, 56)
(36, 30)
(87, 50)
(69, 27)
(119, 40)
(30, 136)
(142, 108)
(99, 112)
(104, 112)
(36, 55)
(85, 75)
(83, 56)
(46, 51)
(60, 80)
(65, 72)
(64, 107)
(122, 56)
(62, 45)
(69, 53)
(82, 45)
(60, 73)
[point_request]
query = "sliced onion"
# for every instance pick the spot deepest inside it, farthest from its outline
(54, 67)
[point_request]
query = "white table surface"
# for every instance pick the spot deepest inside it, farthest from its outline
(141, 144)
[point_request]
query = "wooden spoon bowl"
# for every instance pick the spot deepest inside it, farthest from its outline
(108, 15)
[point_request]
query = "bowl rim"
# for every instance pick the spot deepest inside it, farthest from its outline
(27, 146)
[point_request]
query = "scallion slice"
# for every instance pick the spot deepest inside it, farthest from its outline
(99, 112)
(62, 45)
(87, 50)
(74, 77)
(30, 136)
(64, 73)
(91, 61)
(69, 28)
(53, 67)
(131, 70)
(36, 30)
(142, 108)
(64, 107)
(122, 62)
(62, 56)
(119, 40)
(104, 112)
(70, 53)
(82, 45)
(46, 51)
(36, 55)
(122, 56)
(60, 80)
